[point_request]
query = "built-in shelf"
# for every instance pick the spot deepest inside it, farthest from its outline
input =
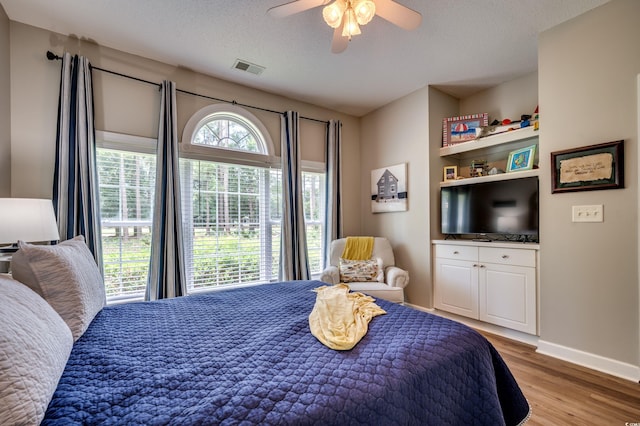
(489, 141)
(491, 178)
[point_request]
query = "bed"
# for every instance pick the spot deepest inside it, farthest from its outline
(246, 356)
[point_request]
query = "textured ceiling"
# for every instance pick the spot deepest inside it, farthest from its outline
(461, 46)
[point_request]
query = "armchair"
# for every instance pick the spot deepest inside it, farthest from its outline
(394, 279)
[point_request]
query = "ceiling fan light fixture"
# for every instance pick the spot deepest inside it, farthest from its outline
(346, 16)
(333, 13)
(365, 10)
(351, 26)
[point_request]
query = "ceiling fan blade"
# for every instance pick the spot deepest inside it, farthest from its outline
(294, 7)
(398, 14)
(339, 42)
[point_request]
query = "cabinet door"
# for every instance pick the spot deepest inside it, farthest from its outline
(508, 296)
(456, 287)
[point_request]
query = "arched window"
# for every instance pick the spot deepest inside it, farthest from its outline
(227, 131)
(227, 187)
(231, 196)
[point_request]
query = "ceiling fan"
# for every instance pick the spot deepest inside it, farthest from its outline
(346, 16)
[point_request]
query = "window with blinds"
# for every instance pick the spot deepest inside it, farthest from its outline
(231, 230)
(231, 206)
(313, 190)
(126, 185)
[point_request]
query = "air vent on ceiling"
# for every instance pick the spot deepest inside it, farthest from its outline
(248, 66)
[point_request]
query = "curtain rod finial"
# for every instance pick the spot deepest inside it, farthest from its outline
(51, 56)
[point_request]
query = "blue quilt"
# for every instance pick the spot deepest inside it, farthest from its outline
(246, 356)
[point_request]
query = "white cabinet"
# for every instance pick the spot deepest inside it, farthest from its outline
(456, 275)
(491, 282)
(507, 287)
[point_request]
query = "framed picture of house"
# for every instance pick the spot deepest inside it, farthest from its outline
(389, 189)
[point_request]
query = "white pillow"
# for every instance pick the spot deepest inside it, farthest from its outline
(65, 275)
(361, 270)
(35, 344)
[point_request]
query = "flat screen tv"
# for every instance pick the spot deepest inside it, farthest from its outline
(505, 208)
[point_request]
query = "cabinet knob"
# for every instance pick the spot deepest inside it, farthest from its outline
(456, 252)
(505, 256)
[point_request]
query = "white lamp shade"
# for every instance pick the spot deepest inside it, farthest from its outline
(27, 219)
(365, 11)
(332, 14)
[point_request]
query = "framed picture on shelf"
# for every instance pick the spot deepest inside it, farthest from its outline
(462, 129)
(521, 159)
(450, 173)
(587, 168)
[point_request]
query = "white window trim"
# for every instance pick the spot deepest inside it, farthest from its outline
(312, 166)
(126, 142)
(145, 145)
(200, 152)
(210, 153)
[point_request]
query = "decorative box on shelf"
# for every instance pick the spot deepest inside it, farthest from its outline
(462, 129)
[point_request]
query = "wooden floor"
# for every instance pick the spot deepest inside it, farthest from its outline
(561, 393)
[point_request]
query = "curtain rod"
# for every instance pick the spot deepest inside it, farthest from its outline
(52, 57)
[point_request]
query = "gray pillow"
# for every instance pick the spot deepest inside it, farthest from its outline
(35, 344)
(65, 275)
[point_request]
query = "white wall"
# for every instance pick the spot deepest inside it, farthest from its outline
(589, 283)
(5, 108)
(399, 133)
(126, 106)
(508, 100)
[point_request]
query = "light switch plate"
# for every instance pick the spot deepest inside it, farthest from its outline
(591, 213)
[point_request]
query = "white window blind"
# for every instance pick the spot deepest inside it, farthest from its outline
(313, 188)
(126, 185)
(231, 223)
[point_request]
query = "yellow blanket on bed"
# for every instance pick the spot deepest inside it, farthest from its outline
(340, 319)
(358, 248)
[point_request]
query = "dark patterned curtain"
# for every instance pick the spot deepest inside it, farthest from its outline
(294, 264)
(75, 180)
(333, 192)
(167, 267)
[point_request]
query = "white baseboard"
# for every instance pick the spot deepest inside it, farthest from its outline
(589, 360)
(518, 336)
(574, 356)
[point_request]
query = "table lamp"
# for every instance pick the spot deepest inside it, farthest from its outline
(26, 219)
